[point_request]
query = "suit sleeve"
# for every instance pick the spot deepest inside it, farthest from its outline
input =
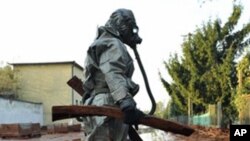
(112, 64)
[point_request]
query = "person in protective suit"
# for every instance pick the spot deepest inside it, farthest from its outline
(108, 72)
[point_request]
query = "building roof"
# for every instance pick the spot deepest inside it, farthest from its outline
(47, 63)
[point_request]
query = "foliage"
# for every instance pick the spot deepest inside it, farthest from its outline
(161, 111)
(243, 69)
(206, 72)
(8, 82)
(240, 102)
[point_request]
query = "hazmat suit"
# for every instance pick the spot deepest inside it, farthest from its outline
(108, 72)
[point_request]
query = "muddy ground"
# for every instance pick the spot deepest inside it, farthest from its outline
(201, 134)
(205, 134)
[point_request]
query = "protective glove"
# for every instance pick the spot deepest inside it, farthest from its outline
(131, 113)
(133, 88)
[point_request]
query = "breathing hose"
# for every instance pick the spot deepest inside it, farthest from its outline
(146, 81)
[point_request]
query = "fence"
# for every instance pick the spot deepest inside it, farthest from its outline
(212, 118)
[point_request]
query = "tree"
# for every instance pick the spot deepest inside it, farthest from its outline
(206, 72)
(8, 82)
(161, 111)
(243, 88)
(243, 71)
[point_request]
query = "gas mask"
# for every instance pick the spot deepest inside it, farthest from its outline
(123, 21)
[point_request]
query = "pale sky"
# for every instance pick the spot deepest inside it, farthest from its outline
(62, 30)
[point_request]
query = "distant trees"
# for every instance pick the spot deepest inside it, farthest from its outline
(243, 88)
(8, 82)
(243, 69)
(206, 72)
(161, 111)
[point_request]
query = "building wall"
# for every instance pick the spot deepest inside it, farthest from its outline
(15, 111)
(46, 83)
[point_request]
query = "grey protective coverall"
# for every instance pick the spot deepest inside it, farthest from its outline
(108, 72)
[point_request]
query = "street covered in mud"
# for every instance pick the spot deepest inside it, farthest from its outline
(201, 134)
(205, 134)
